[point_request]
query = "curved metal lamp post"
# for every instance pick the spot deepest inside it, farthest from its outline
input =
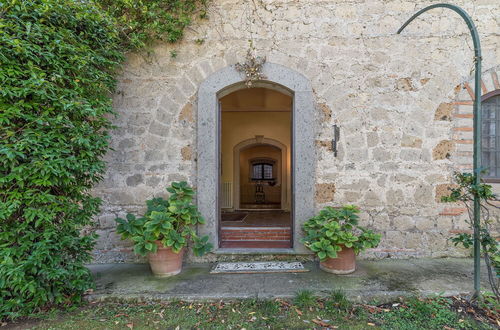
(476, 125)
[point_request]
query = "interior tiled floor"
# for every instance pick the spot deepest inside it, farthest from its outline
(261, 206)
(276, 218)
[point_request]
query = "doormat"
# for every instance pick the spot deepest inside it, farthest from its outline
(233, 216)
(258, 267)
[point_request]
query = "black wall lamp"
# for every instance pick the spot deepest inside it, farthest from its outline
(336, 136)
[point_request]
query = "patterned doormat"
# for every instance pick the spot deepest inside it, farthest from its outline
(258, 267)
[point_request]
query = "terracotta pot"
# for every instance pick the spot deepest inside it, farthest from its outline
(165, 262)
(345, 263)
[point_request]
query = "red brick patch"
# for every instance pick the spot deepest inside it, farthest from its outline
(453, 211)
(463, 103)
(469, 90)
(463, 115)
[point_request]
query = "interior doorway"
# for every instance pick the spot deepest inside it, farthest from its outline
(255, 169)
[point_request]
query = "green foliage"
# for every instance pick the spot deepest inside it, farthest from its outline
(332, 229)
(305, 299)
(339, 301)
(169, 221)
(490, 302)
(465, 192)
(417, 313)
(57, 62)
(264, 314)
(141, 22)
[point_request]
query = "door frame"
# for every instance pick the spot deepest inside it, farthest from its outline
(284, 180)
(303, 154)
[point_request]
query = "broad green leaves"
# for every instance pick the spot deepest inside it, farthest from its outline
(332, 229)
(169, 221)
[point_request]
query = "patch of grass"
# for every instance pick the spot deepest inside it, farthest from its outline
(418, 313)
(338, 301)
(304, 299)
(305, 312)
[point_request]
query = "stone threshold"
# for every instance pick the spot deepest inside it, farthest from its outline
(257, 251)
(252, 228)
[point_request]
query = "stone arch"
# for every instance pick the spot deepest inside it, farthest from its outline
(460, 112)
(283, 163)
(228, 80)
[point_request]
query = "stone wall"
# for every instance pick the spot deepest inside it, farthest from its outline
(402, 103)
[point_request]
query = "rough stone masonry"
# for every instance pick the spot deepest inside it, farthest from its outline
(403, 103)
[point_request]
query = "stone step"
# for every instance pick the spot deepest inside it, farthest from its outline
(256, 234)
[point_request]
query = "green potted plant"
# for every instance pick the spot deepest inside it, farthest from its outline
(163, 232)
(336, 238)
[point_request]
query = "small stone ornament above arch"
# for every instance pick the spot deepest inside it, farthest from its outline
(252, 68)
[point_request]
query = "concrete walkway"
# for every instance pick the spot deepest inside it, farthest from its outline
(382, 280)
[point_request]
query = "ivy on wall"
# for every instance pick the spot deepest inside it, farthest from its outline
(140, 22)
(58, 59)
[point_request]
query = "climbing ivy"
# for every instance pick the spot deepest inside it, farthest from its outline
(140, 22)
(58, 60)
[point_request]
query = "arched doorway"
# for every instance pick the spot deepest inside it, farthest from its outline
(281, 170)
(255, 145)
(301, 152)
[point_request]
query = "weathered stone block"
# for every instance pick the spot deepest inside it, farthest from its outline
(425, 223)
(187, 153)
(326, 144)
(393, 238)
(409, 141)
(186, 113)
(405, 84)
(325, 192)
(381, 154)
(443, 150)
(410, 154)
(351, 197)
(134, 180)
(372, 139)
(372, 198)
(423, 195)
(403, 223)
(159, 129)
(394, 197)
(325, 111)
(444, 112)
(153, 181)
(443, 190)
(107, 221)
